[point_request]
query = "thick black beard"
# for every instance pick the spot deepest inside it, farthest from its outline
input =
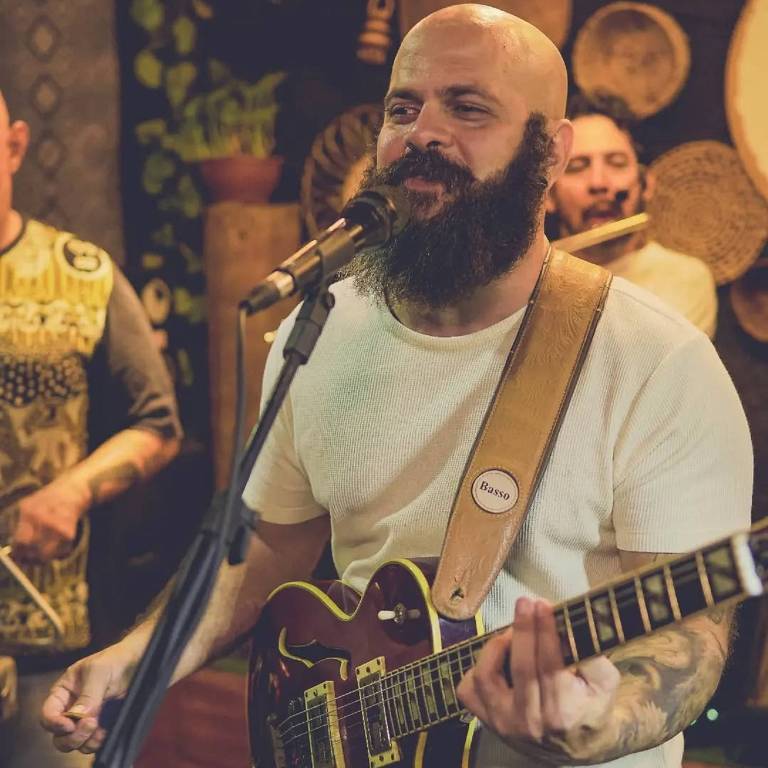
(479, 234)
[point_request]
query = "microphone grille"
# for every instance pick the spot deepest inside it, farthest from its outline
(388, 204)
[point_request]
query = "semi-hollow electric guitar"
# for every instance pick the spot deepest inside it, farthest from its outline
(343, 681)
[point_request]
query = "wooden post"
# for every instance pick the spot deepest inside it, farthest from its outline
(243, 243)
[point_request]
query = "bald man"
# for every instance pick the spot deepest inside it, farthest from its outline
(72, 334)
(371, 446)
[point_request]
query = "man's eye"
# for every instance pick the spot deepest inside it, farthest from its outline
(400, 110)
(468, 109)
(576, 165)
(618, 161)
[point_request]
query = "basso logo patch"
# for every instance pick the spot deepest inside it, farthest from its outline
(495, 491)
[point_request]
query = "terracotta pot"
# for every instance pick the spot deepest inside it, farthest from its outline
(241, 178)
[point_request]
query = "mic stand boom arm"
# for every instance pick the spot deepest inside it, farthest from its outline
(224, 531)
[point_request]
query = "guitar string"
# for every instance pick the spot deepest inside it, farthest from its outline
(454, 664)
(577, 614)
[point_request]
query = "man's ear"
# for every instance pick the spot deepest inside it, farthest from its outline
(550, 204)
(561, 146)
(647, 183)
(18, 141)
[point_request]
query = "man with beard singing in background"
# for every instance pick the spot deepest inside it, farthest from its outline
(604, 181)
(373, 438)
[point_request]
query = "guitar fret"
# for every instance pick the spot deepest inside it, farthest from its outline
(604, 620)
(581, 630)
(657, 600)
(562, 632)
(722, 572)
(400, 705)
(704, 579)
(591, 623)
(641, 604)
(674, 605)
(442, 710)
(413, 699)
(616, 618)
(428, 692)
(389, 708)
(449, 696)
(569, 630)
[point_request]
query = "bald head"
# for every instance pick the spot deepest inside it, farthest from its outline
(527, 60)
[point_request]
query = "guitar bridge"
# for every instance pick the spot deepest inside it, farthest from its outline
(323, 726)
(382, 750)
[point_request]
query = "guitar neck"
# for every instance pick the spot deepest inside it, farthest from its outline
(423, 693)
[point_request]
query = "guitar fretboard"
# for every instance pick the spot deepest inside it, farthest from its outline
(423, 693)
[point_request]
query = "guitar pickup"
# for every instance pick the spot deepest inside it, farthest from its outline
(382, 750)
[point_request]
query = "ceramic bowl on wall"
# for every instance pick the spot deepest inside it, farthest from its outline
(635, 51)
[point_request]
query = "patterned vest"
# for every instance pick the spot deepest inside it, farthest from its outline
(54, 291)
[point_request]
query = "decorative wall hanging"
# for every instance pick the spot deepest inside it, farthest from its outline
(553, 18)
(635, 51)
(60, 74)
(375, 40)
(745, 102)
(749, 299)
(705, 205)
(335, 165)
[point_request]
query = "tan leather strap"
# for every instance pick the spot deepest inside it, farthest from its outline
(519, 430)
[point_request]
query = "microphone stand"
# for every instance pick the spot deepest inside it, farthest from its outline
(225, 530)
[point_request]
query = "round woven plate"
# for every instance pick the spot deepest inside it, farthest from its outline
(705, 205)
(635, 51)
(745, 102)
(749, 299)
(334, 168)
(553, 17)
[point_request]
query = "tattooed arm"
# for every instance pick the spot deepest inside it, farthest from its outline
(48, 518)
(666, 680)
(604, 708)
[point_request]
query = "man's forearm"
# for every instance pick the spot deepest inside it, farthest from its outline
(125, 459)
(667, 679)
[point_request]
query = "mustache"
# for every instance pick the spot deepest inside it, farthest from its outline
(429, 165)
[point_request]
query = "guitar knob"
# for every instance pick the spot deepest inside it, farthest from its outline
(399, 614)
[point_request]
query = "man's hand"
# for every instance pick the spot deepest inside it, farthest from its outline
(47, 522)
(547, 701)
(82, 691)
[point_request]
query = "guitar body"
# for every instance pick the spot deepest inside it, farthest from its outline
(318, 662)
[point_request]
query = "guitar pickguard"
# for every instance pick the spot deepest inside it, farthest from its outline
(312, 653)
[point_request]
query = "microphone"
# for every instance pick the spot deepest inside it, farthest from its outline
(370, 218)
(621, 196)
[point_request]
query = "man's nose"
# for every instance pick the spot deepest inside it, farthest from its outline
(598, 180)
(429, 130)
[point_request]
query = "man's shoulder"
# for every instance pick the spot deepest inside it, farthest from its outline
(634, 316)
(680, 264)
(76, 254)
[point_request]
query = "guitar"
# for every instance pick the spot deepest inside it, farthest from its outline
(339, 680)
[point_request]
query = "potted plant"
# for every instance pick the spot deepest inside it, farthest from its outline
(230, 131)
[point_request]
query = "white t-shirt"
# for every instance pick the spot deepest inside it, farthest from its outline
(653, 454)
(684, 282)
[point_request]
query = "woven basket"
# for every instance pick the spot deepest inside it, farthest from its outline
(552, 17)
(335, 165)
(749, 299)
(706, 206)
(745, 102)
(635, 51)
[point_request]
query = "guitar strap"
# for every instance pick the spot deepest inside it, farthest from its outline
(519, 430)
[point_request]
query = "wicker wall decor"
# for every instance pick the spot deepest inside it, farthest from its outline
(335, 165)
(632, 50)
(745, 102)
(749, 299)
(553, 18)
(706, 206)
